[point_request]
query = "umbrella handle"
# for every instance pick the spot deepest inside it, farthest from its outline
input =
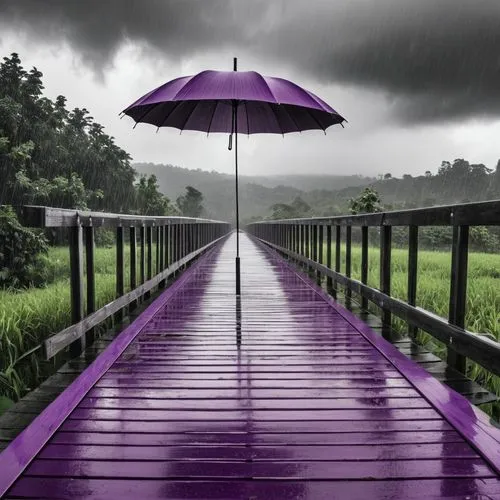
(230, 145)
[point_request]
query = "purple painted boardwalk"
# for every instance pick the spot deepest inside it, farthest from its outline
(301, 401)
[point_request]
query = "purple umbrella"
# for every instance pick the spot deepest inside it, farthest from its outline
(232, 102)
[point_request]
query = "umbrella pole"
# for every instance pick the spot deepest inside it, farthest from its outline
(238, 280)
(235, 125)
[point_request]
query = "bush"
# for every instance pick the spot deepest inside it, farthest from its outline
(20, 249)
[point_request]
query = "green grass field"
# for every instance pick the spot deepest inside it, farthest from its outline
(29, 317)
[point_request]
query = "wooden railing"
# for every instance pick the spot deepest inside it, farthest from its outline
(301, 239)
(178, 241)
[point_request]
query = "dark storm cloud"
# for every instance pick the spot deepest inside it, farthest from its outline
(435, 59)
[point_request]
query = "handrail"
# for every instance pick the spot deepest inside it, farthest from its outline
(484, 213)
(302, 240)
(41, 217)
(176, 241)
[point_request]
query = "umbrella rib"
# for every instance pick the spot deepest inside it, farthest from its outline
(277, 119)
(248, 122)
(146, 113)
(316, 120)
(212, 117)
(189, 115)
(168, 115)
(291, 118)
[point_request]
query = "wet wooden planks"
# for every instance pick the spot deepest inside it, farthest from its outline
(273, 395)
(470, 389)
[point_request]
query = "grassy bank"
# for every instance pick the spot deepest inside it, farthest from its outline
(30, 316)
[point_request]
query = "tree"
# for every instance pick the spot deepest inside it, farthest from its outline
(19, 252)
(43, 144)
(149, 200)
(388, 176)
(301, 207)
(367, 202)
(190, 204)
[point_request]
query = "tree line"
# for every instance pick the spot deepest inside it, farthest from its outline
(54, 156)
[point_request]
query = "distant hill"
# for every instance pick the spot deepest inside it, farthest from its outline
(257, 194)
(455, 182)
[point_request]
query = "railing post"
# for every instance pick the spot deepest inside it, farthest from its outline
(308, 241)
(171, 236)
(142, 256)
(133, 262)
(165, 245)
(90, 271)
(412, 272)
(320, 253)
(329, 281)
(338, 238)
(157, 250)
(76, 283)
(120, 270)
(458, 290)
(149, 256)
(385, 268)
(314, 238)
(302, 240)
(162, 250)
(189, 244)
(161, 234)
(348, 254)
(364, 263)
(183, 238)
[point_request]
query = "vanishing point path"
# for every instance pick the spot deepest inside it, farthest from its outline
(281, 394)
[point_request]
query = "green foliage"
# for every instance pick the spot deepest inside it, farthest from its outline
(149, 200)
(19, 252)
(29, 316)
(367, 202)
(298, 208)
(54, 156)
(190, 204)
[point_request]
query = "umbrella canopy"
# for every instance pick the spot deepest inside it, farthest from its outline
(205, 102)
(234, 102)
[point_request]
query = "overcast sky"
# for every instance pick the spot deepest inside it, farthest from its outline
(417, 80)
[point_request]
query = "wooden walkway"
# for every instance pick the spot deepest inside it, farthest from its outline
(281, 394)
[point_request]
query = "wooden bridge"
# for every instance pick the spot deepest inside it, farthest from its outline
(282, 392)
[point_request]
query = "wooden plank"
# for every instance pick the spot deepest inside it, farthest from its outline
(452, 488)
(321, 470)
